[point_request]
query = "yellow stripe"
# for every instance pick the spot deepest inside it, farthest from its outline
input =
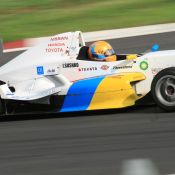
(115, 92)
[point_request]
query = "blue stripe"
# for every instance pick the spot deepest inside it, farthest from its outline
(80, 95)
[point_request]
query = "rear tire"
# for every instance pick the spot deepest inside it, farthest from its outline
(163, 89)
(1, 107)
(56, 101)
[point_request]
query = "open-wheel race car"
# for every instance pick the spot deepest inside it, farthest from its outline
(57, 76)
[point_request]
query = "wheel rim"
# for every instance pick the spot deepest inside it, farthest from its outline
(165, 90)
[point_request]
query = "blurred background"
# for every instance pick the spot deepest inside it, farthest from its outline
(33, 18)
(100, 142)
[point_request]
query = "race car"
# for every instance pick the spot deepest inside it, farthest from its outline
(57, 76)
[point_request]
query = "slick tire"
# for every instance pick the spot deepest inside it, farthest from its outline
(1, 107)
(55, 102)
(163, 89)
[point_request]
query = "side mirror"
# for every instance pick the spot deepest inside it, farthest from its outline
(155, 48)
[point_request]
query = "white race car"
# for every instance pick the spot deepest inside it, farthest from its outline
(57, 75)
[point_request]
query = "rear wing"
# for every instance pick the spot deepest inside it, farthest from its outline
(1, 48)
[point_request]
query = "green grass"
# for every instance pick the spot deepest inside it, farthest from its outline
(32, 18)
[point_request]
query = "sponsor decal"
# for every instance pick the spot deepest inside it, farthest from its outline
(122, 67)
(104, 67)
(9, 94)
(40, 70)
(55, 44)
(54, 50)
(73, 48)
(156, 70)
(67, 52)
(59, 38)
(143, 65)
(84, 69)
(70, 65)
(51, 71)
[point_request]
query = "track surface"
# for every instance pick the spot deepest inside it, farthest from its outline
(93, 142)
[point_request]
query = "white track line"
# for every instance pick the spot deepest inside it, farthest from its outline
(129, 32)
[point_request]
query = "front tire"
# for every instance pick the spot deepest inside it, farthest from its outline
(163, 89)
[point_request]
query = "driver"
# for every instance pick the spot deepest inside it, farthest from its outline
(103, 51)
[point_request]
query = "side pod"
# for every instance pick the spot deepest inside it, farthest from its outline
(116, 91)
(107, 92)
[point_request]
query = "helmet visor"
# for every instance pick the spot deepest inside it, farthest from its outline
(109, 52)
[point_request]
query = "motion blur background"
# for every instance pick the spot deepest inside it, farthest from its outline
(89, 143)
(33, 18)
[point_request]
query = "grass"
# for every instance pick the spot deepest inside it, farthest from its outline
(33, 18)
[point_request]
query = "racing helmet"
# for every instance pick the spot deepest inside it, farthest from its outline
(101, 51)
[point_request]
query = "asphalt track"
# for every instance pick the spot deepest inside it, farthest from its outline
(93, 142)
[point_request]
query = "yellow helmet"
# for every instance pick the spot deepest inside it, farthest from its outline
(101, 51)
